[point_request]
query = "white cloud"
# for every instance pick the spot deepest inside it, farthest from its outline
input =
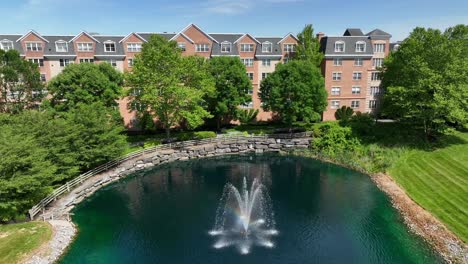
(230, 7)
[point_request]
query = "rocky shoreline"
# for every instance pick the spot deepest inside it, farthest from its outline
(452, 249)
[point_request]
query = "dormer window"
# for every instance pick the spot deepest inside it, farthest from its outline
(85, 46)
(267, 47)
(360, 46)
(226, 47)
(339, 46)
(6, 44)
(109, 46)
(61, 46)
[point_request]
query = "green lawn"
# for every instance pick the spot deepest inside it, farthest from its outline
(19, 240)
(438, 181)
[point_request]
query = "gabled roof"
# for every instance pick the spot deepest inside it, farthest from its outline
(183, 35)
(245, 35)
(16, 45)
(133, 33)
(32, 32)
(378, 32)
(328, 46)
(353, 32)
(287, 35)
(85, 33)
(195, 26)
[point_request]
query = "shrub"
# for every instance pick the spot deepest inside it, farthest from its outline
(247, 116)
(330, 139)
(362, 124)
(344, 113)
(204, 134)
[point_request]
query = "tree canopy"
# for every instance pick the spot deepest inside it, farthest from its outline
(172, 88)
(231, 88)
(85, 83)
(295, 91)
(20, 84)
(308, 47)
(426, 80)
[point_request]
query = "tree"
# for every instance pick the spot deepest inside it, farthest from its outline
(425, 81)
(296, 91)
(172, 87)
(308, 47)
(344, 113)
(20, 84)
(85, 83)
(231, 88)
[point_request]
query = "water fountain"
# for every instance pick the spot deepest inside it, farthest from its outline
(244, 218)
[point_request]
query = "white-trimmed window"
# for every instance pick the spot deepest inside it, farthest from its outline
(358, 62)
(181, 46)
(335, 104)
(375, 76)
(336, 90)
(109, 46)
(61, 46)
(43, 77)
(86, 60)
(33, 46)
(264, 75)
(289, 47)
(133, 47)
(247, 47)
(377, 62)
(250, 75)
(375, 90)
(355, 104)
(336, 76)
(247, 105)
(360, 46)
(64, 62)
(202, 47)
(337, 61)
(379, 47)
(357, 76)
(339, 46)
(39, 62)
(356, 90)
(266, 62)
(85, 46)
(113, 63)
(372, 104)
(267, 47)
(248, 62)
(6, 44)
(130, 63)
(226, 47)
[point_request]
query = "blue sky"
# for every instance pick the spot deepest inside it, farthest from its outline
(258, 17)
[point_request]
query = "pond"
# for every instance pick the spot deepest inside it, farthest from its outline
(322, 213)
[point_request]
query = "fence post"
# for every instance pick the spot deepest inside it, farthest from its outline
(68, 186)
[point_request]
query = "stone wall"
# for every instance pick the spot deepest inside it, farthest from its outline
(178, 152)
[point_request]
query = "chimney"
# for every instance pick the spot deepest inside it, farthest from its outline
(320, 35)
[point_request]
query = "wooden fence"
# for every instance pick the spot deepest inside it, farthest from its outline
(70, 185)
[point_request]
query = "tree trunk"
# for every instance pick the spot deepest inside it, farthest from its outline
(218, 123)
(168, 132)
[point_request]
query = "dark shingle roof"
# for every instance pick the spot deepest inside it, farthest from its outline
(378, 34)
(16, 45)
(50, 48)
(119, 50)
(231, 38)
(353, 32)
(276, 48)
(328, 46)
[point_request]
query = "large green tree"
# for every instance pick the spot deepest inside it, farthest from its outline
(232, 87)
(308, 47)
(171, 88)
(295, 91)
(85, 83)
(426, 80)
(20, 84)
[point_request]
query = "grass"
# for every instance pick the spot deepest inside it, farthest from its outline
(19, 240)
(438, 181)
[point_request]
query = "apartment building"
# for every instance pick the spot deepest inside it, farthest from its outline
(351, 69)
(350, 66)
(53, 53)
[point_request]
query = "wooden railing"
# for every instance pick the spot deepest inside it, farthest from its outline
(68, 186)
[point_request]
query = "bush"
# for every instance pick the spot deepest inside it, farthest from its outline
(344, 113)
(330, 139)
(247, 116)
(362, 124)
(197, 135)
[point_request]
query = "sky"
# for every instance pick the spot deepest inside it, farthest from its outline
(257, 17)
